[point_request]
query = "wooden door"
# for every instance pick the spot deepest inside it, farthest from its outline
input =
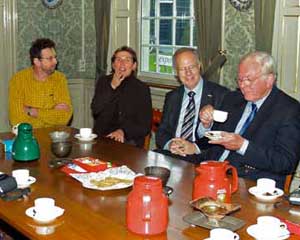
(8, 19)
(286, 46)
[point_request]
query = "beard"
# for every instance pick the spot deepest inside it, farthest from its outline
(49, 71)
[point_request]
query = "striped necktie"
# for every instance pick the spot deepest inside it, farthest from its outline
(189, 116)
(249, 119)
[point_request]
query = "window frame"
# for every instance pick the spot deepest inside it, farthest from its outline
(156, 77)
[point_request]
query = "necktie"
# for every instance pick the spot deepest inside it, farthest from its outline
(249, 119)
(243, 129)
(189, 116)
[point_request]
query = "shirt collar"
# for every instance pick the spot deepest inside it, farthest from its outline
(259, 102)
(197, 89)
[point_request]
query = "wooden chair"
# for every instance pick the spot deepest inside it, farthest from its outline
(287, 183)
(156, 118)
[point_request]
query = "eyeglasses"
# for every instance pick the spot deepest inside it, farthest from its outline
(49, 58)
(249, 81)
(188, 68)
(124, 59)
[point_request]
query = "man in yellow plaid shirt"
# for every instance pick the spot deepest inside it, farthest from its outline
(39, 94)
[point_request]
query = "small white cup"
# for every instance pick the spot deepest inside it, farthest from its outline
(21, 175)
(222, 234)
(220, 116)
(264, 185)
(269, 226)
(85, 132)
(44, 206)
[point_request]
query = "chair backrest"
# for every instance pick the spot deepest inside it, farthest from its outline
(216, 64)
(287, 183)
(156, 118)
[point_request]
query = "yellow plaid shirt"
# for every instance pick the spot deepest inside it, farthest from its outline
(25, 90)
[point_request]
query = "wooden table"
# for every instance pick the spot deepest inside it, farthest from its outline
(91, 214)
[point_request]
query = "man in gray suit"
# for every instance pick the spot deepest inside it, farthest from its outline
(181, 107)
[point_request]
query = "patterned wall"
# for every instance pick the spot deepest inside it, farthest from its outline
(63, 25)
(239, 40)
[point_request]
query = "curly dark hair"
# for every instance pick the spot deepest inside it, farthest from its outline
(38, 45)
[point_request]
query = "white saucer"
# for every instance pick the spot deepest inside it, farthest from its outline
(253, 231)
(213, 135)
(26, 184)
(263, 197)
(90, 138)
(56, 212)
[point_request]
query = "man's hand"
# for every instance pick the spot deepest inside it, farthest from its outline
(206, 115)
(230, 141)
(117, 80)
(117, 135)
(182, 147)
(62, 106)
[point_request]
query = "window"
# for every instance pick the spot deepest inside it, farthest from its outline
(166, 25)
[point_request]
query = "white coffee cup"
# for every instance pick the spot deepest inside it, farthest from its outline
(220, 116)
(265, 185)
(44, 206)
(85, 132)
(21, 175)
(269, 227)
(222, 234)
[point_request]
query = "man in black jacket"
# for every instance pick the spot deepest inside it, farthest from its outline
(181, 107)
(121, 105)
(261, 136)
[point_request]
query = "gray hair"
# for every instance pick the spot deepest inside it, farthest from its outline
(185, 49)
(264, 59)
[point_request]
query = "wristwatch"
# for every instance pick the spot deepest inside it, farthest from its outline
(29, 111)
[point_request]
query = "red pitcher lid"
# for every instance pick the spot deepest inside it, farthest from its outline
(213, 164)
(147, 182)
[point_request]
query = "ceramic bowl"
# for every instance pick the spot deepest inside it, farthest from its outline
(61, 149)
(159, 172)
(59, 136)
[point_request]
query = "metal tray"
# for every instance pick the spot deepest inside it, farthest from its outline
(199, 219)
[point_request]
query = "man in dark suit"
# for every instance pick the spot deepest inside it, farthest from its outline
(261, 136)
(183, 104)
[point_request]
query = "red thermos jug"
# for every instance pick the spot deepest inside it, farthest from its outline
(147, 207)
(212, 181)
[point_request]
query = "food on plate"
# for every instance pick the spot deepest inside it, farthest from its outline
(109, 181)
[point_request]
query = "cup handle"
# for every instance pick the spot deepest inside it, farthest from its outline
(146, 211)
(283, 225)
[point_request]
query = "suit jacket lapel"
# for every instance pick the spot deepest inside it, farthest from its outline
(207, 95)
(177, 103)
(264, 111)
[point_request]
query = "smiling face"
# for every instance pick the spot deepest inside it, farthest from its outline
(188, 69)
(123, 63)
(253, 83)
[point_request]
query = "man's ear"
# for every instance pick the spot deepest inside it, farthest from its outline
(270, 80)
(36, 62)
(201, 68)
